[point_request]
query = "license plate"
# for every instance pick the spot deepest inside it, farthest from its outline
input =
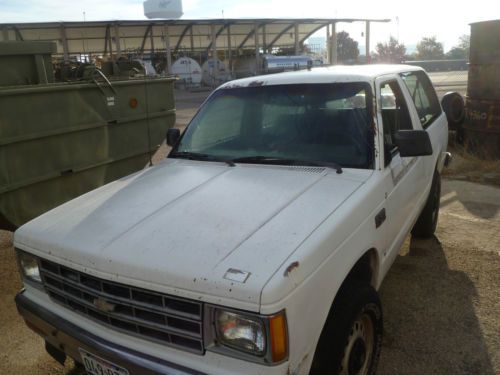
(98, 366)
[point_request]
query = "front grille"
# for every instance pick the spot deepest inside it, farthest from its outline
(154, 316)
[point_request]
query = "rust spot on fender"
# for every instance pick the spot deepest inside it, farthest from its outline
(290, 268)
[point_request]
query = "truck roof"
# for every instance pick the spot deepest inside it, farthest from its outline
(329, 74)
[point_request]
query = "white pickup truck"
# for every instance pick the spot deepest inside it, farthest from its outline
(258, 245)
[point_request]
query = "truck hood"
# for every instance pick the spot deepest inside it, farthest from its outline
(179, 227)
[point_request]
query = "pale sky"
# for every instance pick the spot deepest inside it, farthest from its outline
(447, 20)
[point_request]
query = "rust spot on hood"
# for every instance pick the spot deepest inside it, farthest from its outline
(290, 268)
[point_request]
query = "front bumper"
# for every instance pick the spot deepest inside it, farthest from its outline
(68, 338)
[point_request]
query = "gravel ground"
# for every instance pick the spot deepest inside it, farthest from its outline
(440, 299)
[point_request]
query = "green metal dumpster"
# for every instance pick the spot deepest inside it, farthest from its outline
(60, 140)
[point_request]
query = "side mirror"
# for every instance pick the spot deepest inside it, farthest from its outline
(413, 143)
(454, 107)
(173, 136)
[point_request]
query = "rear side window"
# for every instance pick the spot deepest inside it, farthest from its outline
(423, 95)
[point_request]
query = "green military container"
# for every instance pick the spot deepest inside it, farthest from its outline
(60, 140)
(25, 63)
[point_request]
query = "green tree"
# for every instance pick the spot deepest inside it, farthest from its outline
(464, 42)
(457, 53)
(430, 49)
(461, 50)
(347, 48)
(391, 52)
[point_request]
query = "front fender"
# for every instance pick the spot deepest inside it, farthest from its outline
(307, 283)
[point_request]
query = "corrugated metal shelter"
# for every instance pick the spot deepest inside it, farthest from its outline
(115, 38)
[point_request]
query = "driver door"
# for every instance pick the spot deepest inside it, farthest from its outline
(402, 179)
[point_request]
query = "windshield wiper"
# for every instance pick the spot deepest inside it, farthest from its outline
(260, 159)
(200, 156)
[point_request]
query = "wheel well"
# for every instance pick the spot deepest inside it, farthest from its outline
(364, 273)
(365, 269)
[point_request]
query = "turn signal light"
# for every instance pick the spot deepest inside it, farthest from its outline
(279, 337)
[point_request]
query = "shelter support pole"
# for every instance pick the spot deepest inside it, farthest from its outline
(152, 42)
(106, 38)
(367, 35)
(229, 48)
(143, 44)
(110, 42)
(328, 45)
(191, 39)
(257, 48)
(296, 26)
(168, 50)
(117, 41)
(64, 41)
(264, 42)
(334, 57)
(215, 69)
(214, 41)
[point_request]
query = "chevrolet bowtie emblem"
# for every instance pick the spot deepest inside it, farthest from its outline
(103, 305)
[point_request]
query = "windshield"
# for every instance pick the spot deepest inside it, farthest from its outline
(329, 123)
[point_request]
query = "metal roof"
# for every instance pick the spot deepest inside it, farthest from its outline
(99, 37)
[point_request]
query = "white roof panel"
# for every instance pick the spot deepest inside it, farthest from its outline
(330, 74)
(133, 35)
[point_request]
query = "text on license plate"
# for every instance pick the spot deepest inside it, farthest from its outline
(98, 366)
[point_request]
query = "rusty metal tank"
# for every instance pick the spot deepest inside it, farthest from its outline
(482, 122)
(59, 140)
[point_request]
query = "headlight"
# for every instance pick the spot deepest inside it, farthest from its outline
(262, 337)
(240, 331)
(29, 267)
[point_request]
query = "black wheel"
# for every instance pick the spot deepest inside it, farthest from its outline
(351, 340)
(454, 108)
(427, 221)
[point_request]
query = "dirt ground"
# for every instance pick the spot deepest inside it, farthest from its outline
(441, 298)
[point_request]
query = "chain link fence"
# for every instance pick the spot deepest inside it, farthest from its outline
(449, 81)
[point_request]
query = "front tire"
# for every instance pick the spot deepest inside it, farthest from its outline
(351, 339)
(427, 221)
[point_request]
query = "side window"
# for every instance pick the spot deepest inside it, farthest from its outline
(395, 116)
(423, 95)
